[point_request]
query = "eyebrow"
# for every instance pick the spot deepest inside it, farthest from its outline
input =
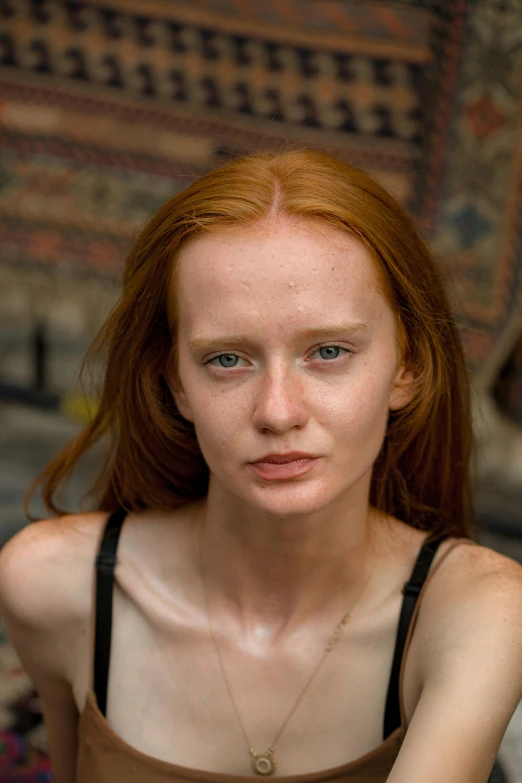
(211, 343)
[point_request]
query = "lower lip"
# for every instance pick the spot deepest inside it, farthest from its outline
(270, 471)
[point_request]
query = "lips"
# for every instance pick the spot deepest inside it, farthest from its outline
(283, 467)
(281, 459)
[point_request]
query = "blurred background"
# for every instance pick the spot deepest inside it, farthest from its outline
(108, 107)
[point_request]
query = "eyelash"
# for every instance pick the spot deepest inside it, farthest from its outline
(231, 353)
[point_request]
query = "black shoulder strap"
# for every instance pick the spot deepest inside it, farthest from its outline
(105, 564)
(411, 590)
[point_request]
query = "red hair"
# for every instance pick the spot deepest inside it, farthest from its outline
(422, 474)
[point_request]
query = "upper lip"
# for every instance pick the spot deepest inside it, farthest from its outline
(289, 456)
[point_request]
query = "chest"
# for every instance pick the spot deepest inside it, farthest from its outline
(170, 697)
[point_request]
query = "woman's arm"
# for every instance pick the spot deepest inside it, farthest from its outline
(469, 642)
(39, 588)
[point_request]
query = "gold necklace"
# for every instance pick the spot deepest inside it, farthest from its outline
(262, 761)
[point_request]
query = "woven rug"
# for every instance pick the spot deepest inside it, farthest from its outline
(107, 107)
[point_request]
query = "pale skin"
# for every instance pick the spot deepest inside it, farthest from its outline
(283, 560)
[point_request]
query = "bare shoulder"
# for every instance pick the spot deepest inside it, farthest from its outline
(46, 570)
(472, 611)
(474, 573)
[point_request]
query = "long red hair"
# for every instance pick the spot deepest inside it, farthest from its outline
(152, 458)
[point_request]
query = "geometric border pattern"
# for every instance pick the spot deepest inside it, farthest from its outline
(108, 107)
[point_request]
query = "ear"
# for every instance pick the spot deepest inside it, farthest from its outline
(180, 398)
(403, 388)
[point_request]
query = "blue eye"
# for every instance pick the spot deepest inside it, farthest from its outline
(330, 351)
(226, 359)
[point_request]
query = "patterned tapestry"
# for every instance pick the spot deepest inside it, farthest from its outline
(108, 107)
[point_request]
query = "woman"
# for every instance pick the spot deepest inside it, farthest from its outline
(286, 419)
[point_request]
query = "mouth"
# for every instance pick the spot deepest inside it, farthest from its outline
(281, 459)
(283, 467)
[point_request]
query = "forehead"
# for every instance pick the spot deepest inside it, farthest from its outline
(282, 273)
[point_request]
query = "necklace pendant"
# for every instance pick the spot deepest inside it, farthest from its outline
(263, 763)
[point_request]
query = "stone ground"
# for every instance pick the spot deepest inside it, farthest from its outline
(29, 437)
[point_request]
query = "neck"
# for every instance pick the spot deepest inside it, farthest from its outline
(271, 574)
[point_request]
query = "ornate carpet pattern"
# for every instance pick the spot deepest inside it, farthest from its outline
(107, 107)
(478, 231)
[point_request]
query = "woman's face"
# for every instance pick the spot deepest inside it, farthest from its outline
(286, 344)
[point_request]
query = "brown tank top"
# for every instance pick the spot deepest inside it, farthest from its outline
(104, 757)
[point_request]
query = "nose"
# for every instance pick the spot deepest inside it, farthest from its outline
(280, 402)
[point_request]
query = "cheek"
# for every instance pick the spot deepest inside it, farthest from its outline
(365, 388)
(219, 419)
(361, 412)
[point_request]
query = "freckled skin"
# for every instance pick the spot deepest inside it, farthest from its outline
(282, 394)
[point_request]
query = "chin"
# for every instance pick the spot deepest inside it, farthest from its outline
(290, 498)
